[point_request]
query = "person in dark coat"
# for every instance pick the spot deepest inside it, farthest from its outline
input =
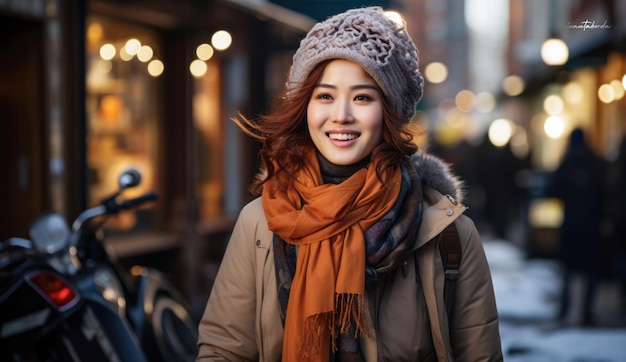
(579, 182)
(617, 248)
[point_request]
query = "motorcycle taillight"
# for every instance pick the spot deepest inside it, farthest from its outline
(54, 288)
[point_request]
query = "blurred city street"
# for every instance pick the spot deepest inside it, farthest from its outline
(527, 294)
(91, 89)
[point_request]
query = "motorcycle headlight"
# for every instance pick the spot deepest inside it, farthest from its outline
(50, 233)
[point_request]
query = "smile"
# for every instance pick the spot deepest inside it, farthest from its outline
(342, 136)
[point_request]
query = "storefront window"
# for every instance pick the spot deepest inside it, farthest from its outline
(123, 72)
(208, 135)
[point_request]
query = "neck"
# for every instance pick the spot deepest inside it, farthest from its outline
(336, 174)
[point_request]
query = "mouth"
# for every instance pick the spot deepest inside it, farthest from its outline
(342, 136)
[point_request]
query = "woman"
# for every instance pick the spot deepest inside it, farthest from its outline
(338, 259)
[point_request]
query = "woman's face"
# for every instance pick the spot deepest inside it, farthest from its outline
(345, 113)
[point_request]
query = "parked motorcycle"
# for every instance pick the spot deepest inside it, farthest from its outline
(64, 297)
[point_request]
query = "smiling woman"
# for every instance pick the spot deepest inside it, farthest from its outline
(349, 211)
(345, 114)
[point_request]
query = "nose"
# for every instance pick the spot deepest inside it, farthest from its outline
(342, 112)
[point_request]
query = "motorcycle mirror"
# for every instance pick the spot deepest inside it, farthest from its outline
(50, 233)
(129, 178)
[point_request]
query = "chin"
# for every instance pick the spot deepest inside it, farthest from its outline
(344, 161)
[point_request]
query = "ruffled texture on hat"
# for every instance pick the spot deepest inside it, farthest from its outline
(368, 37)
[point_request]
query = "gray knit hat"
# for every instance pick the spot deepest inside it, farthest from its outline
(368, 37)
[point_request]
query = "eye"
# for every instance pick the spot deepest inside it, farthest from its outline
(323, 96)
(363, 98)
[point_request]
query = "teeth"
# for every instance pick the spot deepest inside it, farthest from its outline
(342, 136)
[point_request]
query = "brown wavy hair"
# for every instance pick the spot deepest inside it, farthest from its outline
(284, 133)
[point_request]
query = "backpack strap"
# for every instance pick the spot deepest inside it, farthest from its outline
(450, 249)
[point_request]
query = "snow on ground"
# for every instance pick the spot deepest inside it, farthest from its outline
(524, 288)
(531, 344)
(527, 292)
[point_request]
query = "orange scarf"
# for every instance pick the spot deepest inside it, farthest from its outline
(326, 222)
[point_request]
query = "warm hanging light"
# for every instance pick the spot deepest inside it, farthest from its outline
(554, 51)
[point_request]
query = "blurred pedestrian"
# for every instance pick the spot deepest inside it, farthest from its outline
(338, 259)
(500, 185)
(580, 182)
(618, 219)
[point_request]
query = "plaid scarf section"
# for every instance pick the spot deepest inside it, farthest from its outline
(387, 243)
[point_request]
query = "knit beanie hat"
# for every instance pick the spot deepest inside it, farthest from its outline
(368, 37)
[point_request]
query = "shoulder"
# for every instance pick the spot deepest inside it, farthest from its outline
(252, 209)
(468, 233)
(252, 214)
(252, 222)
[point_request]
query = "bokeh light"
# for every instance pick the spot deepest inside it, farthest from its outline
(606, 93)
(198, 68)
(485, 102)
(554, 52)
(132, 46)
(465, 100)
(513, 85)
(500, 132)
(554, 127)
(436, 72)
(107, 51)
(156, 68)
(145, 53)
(221, 40)
(553, 104)
(204, 52)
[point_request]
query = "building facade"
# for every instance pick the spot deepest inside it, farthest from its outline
(90, 88)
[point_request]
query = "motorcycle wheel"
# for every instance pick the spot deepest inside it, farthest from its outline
(175, 331)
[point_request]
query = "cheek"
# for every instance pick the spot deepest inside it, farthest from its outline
(375, 125)
(377, 133)
(313, 117)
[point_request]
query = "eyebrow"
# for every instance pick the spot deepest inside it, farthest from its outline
(354, 87)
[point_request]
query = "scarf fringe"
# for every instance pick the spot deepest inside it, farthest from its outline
(350, 308)
(349, 311)
(314, 327)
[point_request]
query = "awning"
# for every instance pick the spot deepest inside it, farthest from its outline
(275, 12)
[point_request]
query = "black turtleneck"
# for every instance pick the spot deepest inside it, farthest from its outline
(336, 174)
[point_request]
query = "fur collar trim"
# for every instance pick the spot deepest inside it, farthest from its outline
(436, 173)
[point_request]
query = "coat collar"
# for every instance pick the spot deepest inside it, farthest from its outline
(437, 174)
(443, 196)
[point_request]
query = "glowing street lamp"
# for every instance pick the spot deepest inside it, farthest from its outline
(554, 51)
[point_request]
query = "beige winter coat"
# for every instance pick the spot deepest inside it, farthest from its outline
(241, 321)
